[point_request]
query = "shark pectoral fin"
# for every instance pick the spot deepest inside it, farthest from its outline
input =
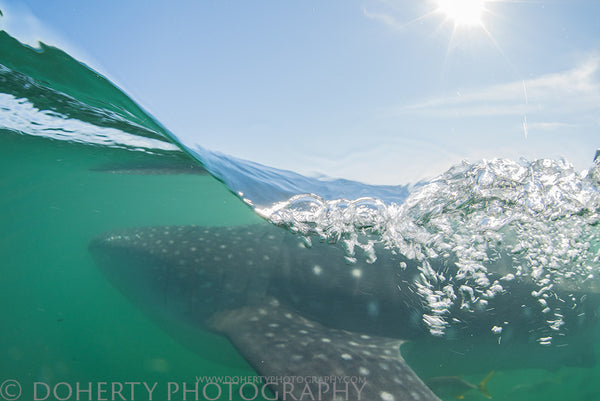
(302, 359)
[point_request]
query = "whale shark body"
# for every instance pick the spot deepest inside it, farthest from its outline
(293, 308)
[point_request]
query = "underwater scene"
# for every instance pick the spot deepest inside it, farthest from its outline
(134, 266)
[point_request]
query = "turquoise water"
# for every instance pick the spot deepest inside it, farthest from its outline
(75, 152)
(63, 321)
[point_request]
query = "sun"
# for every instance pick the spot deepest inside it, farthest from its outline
(464, 13)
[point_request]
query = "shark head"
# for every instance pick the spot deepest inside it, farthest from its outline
(175, 272)
(192, 272)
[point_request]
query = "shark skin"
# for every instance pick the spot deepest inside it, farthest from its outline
(294, 308)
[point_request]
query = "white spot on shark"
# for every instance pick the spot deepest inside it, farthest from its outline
(317, 270)
(373, 309)
(346, 357)
(385, 396)
(356, 273)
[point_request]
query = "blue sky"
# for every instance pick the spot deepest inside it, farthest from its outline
(376, 90)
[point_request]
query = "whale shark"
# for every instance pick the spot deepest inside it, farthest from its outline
(293, 307)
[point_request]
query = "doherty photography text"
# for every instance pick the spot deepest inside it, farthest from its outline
(209, 388)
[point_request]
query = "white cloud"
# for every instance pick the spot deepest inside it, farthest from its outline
(386, 19)
(549, 126)
(416, 13)
(573, 91)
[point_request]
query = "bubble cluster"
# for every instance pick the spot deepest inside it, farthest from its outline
(471, 232)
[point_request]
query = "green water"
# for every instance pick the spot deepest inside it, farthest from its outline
(61, 319)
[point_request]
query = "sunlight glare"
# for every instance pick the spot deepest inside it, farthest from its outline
(463, 12)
